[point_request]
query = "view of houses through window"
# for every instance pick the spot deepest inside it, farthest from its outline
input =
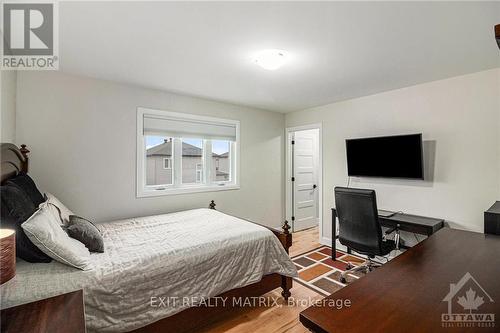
(167, 163)
(159, 171)
(199, 173)
(160, 160)
(192, 157)
(221, 161)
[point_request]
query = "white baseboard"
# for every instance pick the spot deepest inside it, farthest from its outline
(326, 241)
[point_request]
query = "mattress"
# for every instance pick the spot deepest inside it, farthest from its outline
(189, 256)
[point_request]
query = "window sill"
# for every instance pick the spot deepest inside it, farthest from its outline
(185, 190)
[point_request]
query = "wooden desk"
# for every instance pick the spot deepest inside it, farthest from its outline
(63, 313)
(406, 294)
(405, 222)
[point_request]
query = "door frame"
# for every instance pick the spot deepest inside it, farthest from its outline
(288, 172)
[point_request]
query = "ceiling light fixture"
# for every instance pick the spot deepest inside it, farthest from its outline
(270, 59)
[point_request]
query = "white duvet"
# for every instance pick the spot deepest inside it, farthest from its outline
(187, 255)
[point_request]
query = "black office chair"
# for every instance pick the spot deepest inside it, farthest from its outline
(359, 226)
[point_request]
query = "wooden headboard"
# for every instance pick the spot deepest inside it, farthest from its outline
(14, 160)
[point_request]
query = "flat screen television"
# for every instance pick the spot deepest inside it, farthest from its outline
(397, 156)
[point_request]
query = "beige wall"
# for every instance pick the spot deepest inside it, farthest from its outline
(82, 135)
(459, 119)
(81, 132)
(8, 106)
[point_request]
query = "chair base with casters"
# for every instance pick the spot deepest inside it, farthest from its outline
(366, 266)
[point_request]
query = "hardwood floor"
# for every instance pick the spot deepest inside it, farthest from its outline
(305, 240)
(275, 318)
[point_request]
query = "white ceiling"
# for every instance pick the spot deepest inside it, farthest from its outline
(339, 50)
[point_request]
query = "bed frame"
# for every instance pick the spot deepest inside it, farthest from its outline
(15, 160)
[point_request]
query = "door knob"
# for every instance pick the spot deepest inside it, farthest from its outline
(314, 186)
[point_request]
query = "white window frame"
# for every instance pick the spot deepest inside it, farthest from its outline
(200, 172)
(206, 185)
(169, 167)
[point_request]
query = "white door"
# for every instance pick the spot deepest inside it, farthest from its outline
(305, 158)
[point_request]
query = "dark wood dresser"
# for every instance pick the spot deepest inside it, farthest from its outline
(63, 313)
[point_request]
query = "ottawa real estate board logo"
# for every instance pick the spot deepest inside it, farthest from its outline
(30, 36)
(469, 305)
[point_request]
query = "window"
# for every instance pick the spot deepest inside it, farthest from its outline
(167, 163)
(158, 156)
(221, 152)
(192, 160)
(183, 153)
(199, 173)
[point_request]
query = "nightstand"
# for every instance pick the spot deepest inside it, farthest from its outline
(63, 313)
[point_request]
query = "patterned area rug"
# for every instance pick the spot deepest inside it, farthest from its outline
(320, 273)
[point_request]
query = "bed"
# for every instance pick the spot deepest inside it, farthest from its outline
(168, 272)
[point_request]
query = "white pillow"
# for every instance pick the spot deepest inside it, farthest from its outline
(64, 211)
(44, 230)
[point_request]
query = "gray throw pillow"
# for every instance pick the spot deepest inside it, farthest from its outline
(86, 232)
